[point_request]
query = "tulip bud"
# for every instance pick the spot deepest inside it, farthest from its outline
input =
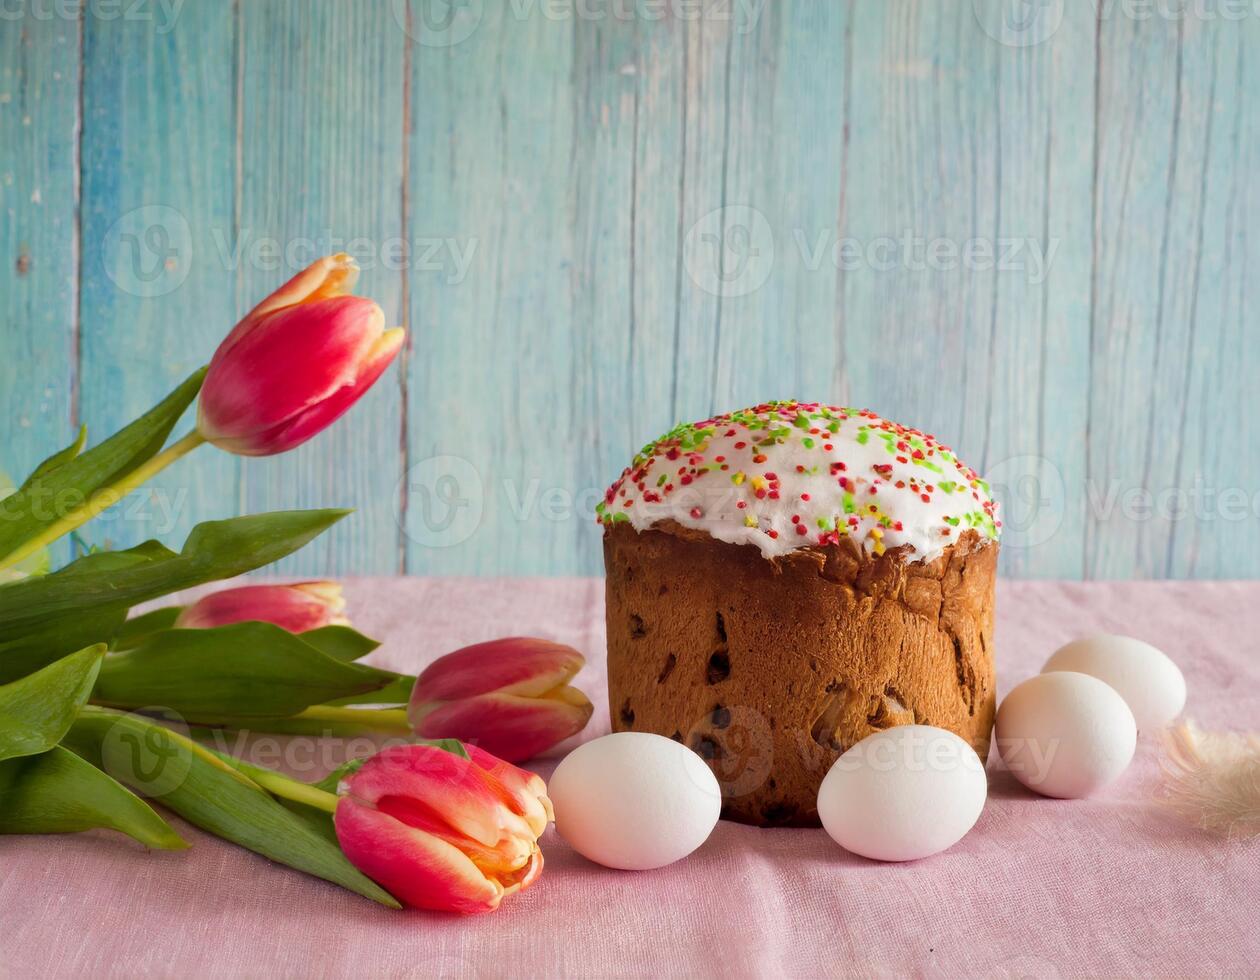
(297, 608)
(510, 696)
(441, 831)
(295, 363)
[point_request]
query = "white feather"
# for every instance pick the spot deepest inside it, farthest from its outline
(1212, 779)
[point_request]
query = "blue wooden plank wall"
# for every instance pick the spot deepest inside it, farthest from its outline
(1031, 229)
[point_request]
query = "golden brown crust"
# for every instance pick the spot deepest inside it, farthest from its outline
(771, 668)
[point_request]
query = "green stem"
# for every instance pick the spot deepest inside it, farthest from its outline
(371, 719)
(104, 498)
(277, 784)
(328, 720)
(225, 762)
(291, 789)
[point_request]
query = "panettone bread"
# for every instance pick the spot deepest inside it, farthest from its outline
(785, 580)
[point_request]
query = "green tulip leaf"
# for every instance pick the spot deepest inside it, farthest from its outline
(66, 479)
(333, 780)
(389, 721)
(239, 671)
(144, 553)
(36, 711)
(59, 793)
(121, 579)
(452, 745)
(396, 692)
(140, 628)
(57, 458)
(340, 642)
(54, 639)
(38, 563)
(343, 643)
(321, 821)
(211, 794)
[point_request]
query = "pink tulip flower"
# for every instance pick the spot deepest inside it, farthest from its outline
(296, 608)
(295, 363)
(510, 696)
(439, 831)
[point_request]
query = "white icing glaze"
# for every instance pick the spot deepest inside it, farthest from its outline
(758, 476)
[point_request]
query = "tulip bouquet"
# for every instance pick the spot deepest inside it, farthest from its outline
(87, 693)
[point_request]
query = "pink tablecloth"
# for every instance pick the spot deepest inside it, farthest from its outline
(1039, 888)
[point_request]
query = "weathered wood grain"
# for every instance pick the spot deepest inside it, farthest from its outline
(610, 355)
(39, 99)
(974, 156)
(155, 290)
(494, 380)
(1213, 444)
(657, 277)
(1173, 357)
(706, 269)
(1032, 240)
(776, 332)
(320, 138)
(1034, 424)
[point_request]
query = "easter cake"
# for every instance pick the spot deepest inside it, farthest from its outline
(785, 580)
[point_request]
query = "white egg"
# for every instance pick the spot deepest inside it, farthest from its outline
(1065, 734)
(903, 793)
(1150, 683)
(634, 801)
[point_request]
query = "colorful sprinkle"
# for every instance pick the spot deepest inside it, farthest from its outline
(830, 457)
